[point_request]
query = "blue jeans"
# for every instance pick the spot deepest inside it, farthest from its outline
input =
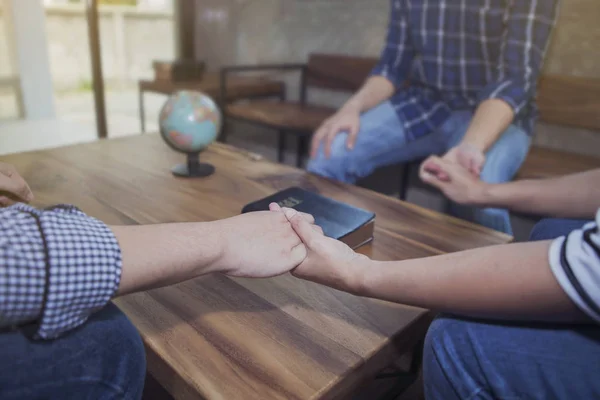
(103, 359)
(470, 359)
(382, 141)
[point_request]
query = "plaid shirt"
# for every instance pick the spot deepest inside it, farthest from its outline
(457, 53)
(57, 267)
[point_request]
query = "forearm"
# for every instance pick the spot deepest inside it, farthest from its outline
(572, 196)
(162, 255)
(491, 119)
(375, 91)
(512, 282)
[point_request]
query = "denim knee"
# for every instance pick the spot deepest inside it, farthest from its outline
(438, 353)
(122, 359)
(102, 359)
(553, 228)
(333, 167)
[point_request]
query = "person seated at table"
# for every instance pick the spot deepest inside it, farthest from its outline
(61, 337)
(454, 78)
(521, 320)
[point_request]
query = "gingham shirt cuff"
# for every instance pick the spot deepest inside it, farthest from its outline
(82, 261)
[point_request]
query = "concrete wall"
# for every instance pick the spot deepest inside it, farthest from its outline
(277, 30)
(288, 30)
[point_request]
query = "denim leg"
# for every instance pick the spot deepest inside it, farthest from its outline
(548, 229)
(104, 359)
(381, 141)
(466, 359)
(503, 161)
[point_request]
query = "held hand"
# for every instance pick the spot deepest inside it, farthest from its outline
(328, 261)
(13, 188)
(468, 156)
(259, 245)
(347, 119)
(458, 184)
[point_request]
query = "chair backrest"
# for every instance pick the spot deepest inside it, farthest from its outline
(570, 101)
(338, 72)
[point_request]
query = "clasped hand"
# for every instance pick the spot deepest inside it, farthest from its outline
(266, 244)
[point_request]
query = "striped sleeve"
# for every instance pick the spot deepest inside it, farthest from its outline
(575, 262)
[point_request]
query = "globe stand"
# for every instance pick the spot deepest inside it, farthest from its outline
(194, 168)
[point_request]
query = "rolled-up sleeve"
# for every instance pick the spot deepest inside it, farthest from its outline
(524, 46)
(575, 262)
(57, 267)
(398, 52)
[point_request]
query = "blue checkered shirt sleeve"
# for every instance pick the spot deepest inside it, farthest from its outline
(529, 25)
(398, 52)
(57, 267)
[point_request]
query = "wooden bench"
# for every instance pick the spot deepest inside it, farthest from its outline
(340, 73)
(571, 102)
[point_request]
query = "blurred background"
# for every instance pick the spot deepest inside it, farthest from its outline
(46, 79)
(46, 42)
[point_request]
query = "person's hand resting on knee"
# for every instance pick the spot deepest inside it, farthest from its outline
(347, 119)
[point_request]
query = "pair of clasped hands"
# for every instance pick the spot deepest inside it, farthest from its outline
(253, 245)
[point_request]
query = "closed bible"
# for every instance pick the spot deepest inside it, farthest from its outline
(351, 225)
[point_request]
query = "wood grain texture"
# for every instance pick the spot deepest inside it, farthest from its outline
(338, 72)
(288, 115)
(570, 101)
(544, 163)
(238, 87)
(221, 338)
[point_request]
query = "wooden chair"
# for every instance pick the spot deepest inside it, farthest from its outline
(566, 101)
(339, 73)
(562, 100)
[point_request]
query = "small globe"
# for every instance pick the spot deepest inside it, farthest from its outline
(190, 121)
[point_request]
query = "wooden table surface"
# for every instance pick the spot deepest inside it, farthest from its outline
(222, 338)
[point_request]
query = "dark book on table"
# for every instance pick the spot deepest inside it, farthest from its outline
(353, 226)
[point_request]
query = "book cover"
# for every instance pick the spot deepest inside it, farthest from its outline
(353, 226)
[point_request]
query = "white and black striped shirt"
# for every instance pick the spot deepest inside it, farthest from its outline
(575, 261)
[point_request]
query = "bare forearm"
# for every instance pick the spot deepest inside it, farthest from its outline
(161, 255)
(375, 91)
(491, 119)
(504, 282)
(572, 196)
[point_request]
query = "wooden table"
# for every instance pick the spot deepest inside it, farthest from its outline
(222, 338)
(238, 87)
